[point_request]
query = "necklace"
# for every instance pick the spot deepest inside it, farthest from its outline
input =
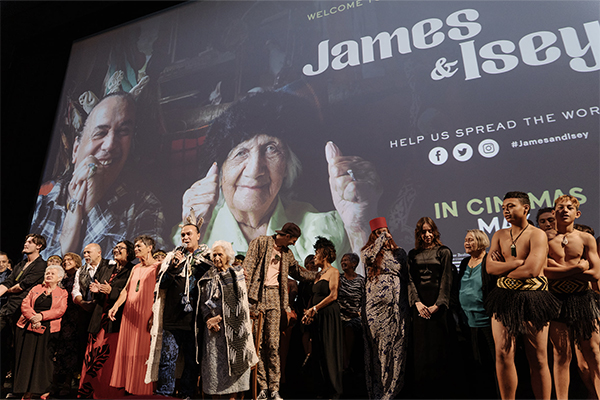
(565, 241)
(513, 246)
(322, 272)
(137, 287)
(424, 262)
(475, 261)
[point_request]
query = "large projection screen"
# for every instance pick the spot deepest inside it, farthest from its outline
(432, 109)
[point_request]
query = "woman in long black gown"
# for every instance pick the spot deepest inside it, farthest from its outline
(435, 342)
(38, 327)
(325, 319)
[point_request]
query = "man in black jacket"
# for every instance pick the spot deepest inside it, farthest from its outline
(174, 333)
(25, 275)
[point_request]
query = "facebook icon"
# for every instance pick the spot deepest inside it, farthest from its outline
(438, 155)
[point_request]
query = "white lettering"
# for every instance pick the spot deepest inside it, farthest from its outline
(491, 228)
(573, 46)
(385, 44)
(323, 57)
(420, 35)
(487, 51)
(473, 28)
(469, 56)
(348, 48)
(529, 50)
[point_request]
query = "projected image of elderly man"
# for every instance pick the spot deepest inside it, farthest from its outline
(252, 166)
(92, 203)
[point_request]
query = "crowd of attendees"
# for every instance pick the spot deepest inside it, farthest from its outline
(205, 321)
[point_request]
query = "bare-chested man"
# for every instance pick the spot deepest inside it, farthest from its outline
(521, 302)
(572, 264)
(546, 221)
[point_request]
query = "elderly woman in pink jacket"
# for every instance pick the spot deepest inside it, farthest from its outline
(42, 311)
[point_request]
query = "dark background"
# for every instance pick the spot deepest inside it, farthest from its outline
(36, 38)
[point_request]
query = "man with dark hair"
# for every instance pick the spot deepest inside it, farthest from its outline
(239, 259)
(585, 228)
(26, 274)
(159, 255)
(546, 221)
(93, 204)
(4, 273)
(268, 263)
(521, 302)
(174, 311)
(4, 263)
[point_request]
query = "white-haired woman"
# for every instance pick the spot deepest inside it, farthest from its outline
(224, 318)
(38, 326)
(475, 284)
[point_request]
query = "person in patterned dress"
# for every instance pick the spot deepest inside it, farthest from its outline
(385, 312)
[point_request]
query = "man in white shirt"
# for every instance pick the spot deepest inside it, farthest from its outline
(92, 253)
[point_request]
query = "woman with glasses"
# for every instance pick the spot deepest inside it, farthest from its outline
(103, 332)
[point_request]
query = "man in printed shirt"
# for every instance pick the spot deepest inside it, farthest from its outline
(94, 204)
(267, 265)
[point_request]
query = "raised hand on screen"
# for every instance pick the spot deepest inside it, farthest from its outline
(202, 196)
(86, 188)
(355, 190)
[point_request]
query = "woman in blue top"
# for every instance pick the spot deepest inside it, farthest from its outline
(475, 284)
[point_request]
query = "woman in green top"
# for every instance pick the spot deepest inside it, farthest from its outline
(475, 284)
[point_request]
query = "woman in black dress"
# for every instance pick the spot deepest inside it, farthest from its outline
(435, 343)
(325, 319)
(37, 329)
(68, 358)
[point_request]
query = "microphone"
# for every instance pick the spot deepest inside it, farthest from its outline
(182, 249)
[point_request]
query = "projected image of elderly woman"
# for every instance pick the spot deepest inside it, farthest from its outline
(253, 167)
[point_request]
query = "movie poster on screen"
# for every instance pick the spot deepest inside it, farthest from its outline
(432, 109)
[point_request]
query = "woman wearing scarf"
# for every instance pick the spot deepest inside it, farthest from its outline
(227, 349)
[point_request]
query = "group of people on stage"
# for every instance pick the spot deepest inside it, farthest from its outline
(123, 325)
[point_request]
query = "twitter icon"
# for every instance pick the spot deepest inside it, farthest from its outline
(462, 152)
